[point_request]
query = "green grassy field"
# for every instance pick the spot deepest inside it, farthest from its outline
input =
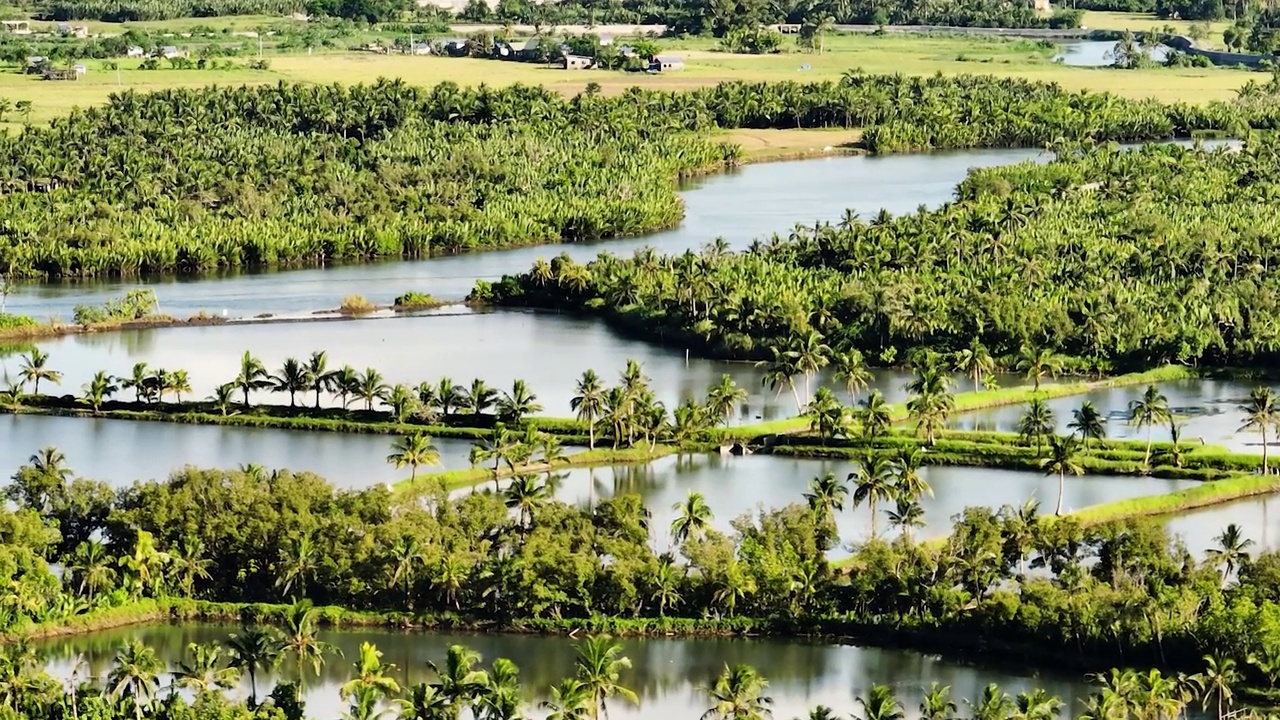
(706, 65)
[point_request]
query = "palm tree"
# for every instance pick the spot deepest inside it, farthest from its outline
(600, 664)
(188, 564)
(92, 568)
(826, 415)
(370, 387)
(880, 704)
(693, 518)
(1061, 462)
(526, 494)
(203, 670)
(425, 702)
(300, 641)
(345, 384)
(666, 584)
(1260, 413)
(975, 361)
(931, 400)
(1151, 408)
(907, 514)
(292, 379)
(500, 699)
(1231, 549)
(993, 705)
(223, 398)
(372, 676)
(319, 377)
(1036, 423)
(588, 403)
(851, 369)
(414, 451)
(49, 462)
(1087, 423)
(99, 389)
(826, 496)
(570, 700)
(937, 703)
(179, 383)
(253, 376)
(780, 372)
(135, 677)
(738, 694)
(872, 482)
(480, 397)
(909, 483)
(809, 354)
(137, 381)
(297, 564)
(253, 649)
(35, 367)
(723, 398)
(1037, 705)
(459, 682)
(514, 406)
(1218, 679)
(874, 416)
(1037, 362)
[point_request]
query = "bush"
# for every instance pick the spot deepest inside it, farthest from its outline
(416, 300)
(356, 305)
(135, 305)
(9, 321)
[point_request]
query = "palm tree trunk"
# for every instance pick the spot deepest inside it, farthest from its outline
(1062, 486)
(591, 434)
(1264, 449)
(1146, 460)
(872, 504)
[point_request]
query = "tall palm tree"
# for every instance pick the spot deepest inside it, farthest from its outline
(931, 400)
(187, 563)
(300, 641)
(600, 663)
(872, 483)
(253, 376)
(92, 568)
(724, 397)
(907, 514)
(779, 373)
(370, 387)
(1061, 462)
(588, 403)
(179, 383)
(135, 677)
(35, 367)
(515, 405)
(666, 584)
(98, 390)
(1035, 363)
(372, 676)
(826, 415)
(500, 699)
(1219, 679)
(908, 482)
(1087, 423)
(1231, 549)
(202, 670)
(291, 379)
(1260, 414)
(319, 377)
(975, 361)
(809, 353)
(851, 369)
(137, 381)
(253, 650)
(875, 416)
(526, 494)
(480, 397)
(826, 496)
(414, 451)
(880, 704)
(1036, 422)
(693, 518)
(1037, 705)
(298, 563)
(738, 694)
(1150, 409)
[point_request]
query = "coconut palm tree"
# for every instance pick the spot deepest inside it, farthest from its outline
(693, 518)
(137, 381)
(300, 641)
(223, 398)
(826, 415)
(600, 663)
(1150, 409)
(135, 677)
(291, 379)
(880, 704)
(500, 700)
(738, 694)
(370, 387)
(570, 700)
(908, 482)
(874, 416)
(1061, 462)
(92, 568)
(188, 563)
(1036, 422)
(526, 494)
(666, 584)
(515, 405)
(937, 703)
(588, 403)
(872, 483)
(723, 398)
(1260, 414)
(1037, 705)
(179, 383)
(99, 389)
(850, 368)
(993, 705)
(298, 563)
(202, 670)
(1231, 549)
(1036, 363)
(1219, 679)
(458, 680)
(253, 650)
(1087, 423)
(479, 397)
(975, 361)
(35, 367)
(372, 677)
(780, 373)
(319, 377)
(907, 514)
(253, 376)
(414, 451)
(826, 495)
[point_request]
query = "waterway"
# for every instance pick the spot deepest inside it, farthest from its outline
(667, 674)
(1099, 53)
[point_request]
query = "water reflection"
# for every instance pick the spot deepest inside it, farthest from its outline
(1259, 518)
(667, 673)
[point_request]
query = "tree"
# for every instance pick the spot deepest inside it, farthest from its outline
(223, 397)
(297, 564)
(1218, 679)
(137, 381)
(189, 564)
(135, 677)
(458, 681)
(600, 664)
(1037, 705)
(738, 694)
(1061, 462)
(291, 379)
(372, 676)
(826, 496)
(514, 406)
(35, 367)
(723, 398)
(872, 483)
(253, 376)
(907, 514)
(1035, 363)
(143, 566)
(937, 703)
(480, 397)
(1087, 423)
(202, 670)
(975, 361)
(874, 416)
(92, 568)
(1231, 549)
(300, 641)
(414, 451)
(526, 494)
(851, 369)
(1036, 422)
(179, 383)
(370, 387)
(809, 354)
(1150, 409)
(570, 700)
(693, 519)
(826, 414)
(909, 483)
(588, 403)
(931, 400)
(666, 584)
(100, 388)
(780, 372)
(1260, 414)
(880, 704)
(252, 650)
(320, 378)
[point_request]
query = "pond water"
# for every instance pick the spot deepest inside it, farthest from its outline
(736, 485)
(754, 201)
(668, 674)
(1207, 410)
(548, 351)
(1099, 53)
(119, 451)
(1258, 518)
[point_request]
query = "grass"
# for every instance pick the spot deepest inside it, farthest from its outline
(1198, 496)
(468, 477)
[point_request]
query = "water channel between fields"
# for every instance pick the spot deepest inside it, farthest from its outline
(668, 674)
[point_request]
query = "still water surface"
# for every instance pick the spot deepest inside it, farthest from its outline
(668, 674)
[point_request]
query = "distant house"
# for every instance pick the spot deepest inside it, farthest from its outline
(170, 52)
(134, 51)
(16, 27)
(532, 49)
(577, 62)
(627, 51)
(666, 63)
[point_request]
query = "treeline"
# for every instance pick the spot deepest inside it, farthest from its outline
(1109, 259)
(1121, 593)
(306, 174)
(150, 10)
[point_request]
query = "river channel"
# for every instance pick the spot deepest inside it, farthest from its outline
(668, 674)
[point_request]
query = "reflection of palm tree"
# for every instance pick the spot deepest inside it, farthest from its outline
(135, 676)
(253, 649)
